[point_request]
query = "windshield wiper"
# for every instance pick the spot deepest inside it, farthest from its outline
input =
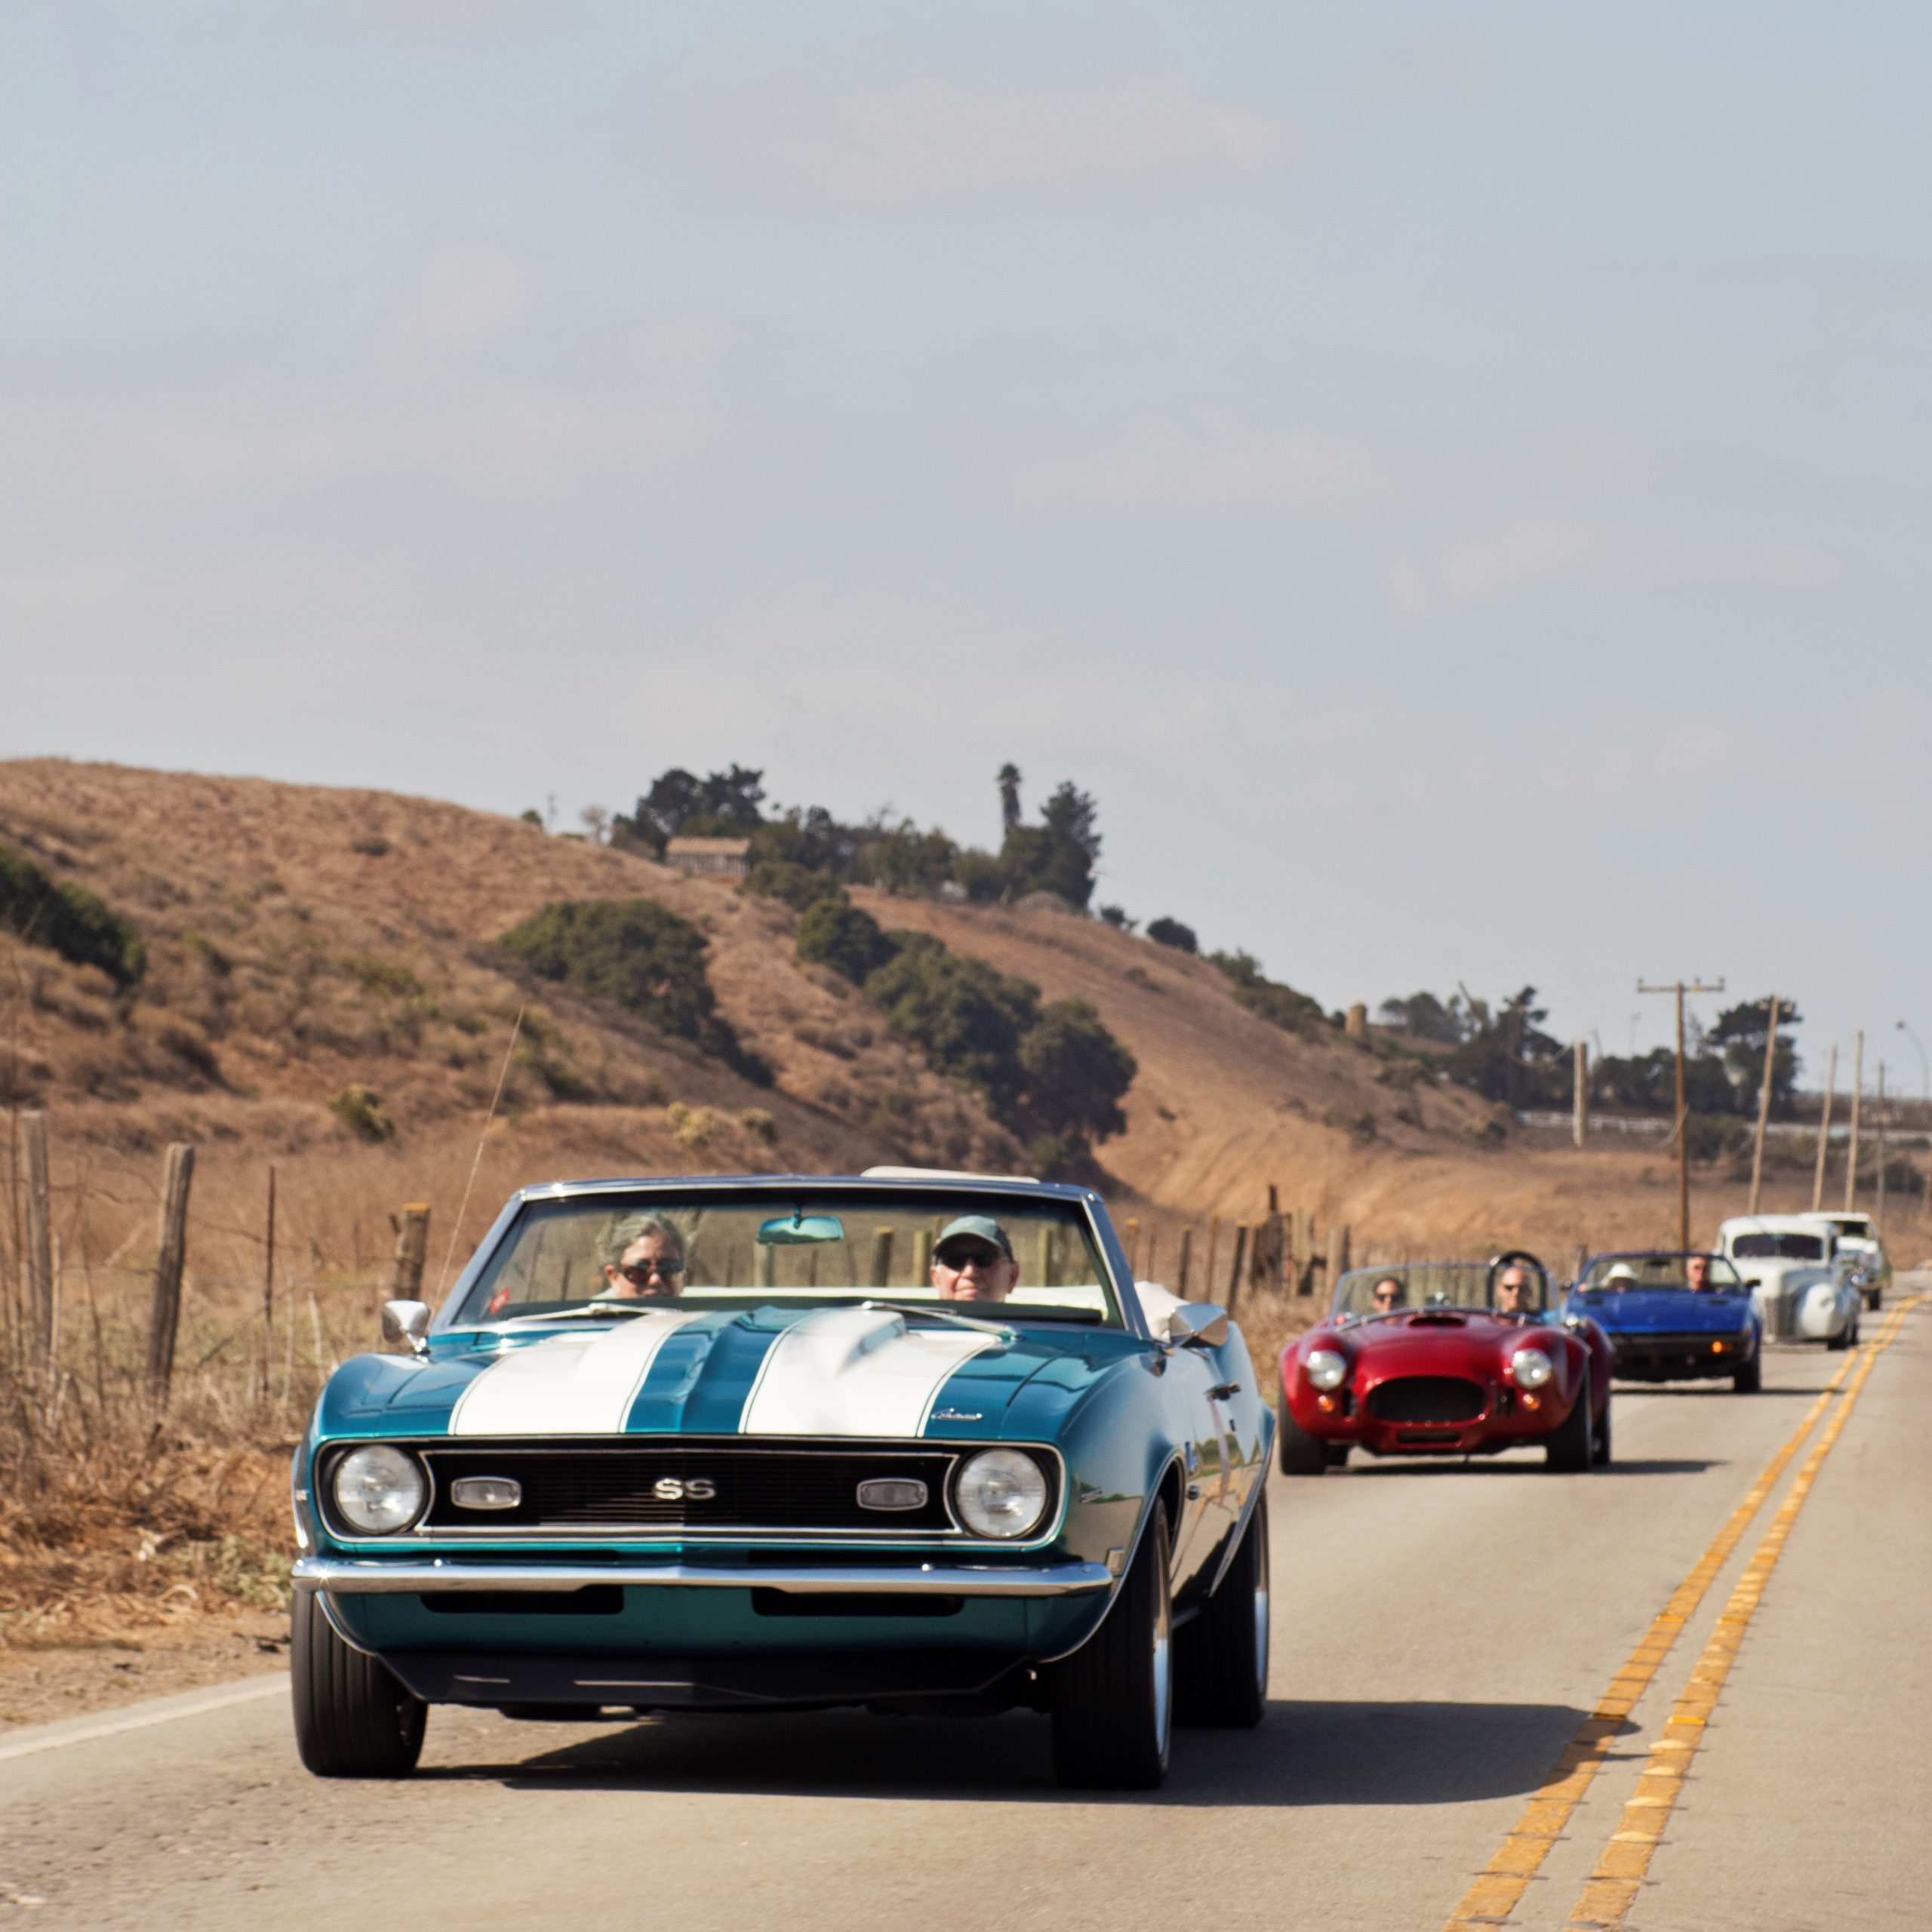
(938, 1314)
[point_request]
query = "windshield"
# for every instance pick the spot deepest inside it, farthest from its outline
(1778, 1247)
(1409, 1285)
(1614, 1274)
(1855, 1227)
(616, 1253)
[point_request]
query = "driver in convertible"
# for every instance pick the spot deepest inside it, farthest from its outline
(1389, 1294)
(972, 1260)
(1698, 1273)
(648, 1262)
(1513, 1292)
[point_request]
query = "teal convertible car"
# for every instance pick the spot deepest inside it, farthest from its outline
(908, 1441)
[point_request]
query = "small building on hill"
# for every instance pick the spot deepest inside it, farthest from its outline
(715, 858)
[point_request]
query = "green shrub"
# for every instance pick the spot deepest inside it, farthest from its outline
(835, 933)
(1165, 931)
(799, 886)
(67, 919)
(965, 1016)
(360, 1109)
(1295, 1013)
(979, 875)
(1077, 1074)
(638, 955)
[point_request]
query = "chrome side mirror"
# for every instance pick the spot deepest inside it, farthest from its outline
(407, 1321)
(1197, 1324)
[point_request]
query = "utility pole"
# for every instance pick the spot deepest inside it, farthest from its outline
(1857, 1095)
(1878, 1121)
(1680, 988)
(1764, 1102)
(1825, 1129)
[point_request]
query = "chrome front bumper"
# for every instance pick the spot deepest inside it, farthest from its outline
(355, 1576)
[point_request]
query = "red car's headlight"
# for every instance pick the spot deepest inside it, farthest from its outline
(1325, 1367)
(1530, 1368)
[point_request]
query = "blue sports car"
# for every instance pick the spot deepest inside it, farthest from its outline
(908, 1441)
(1674, 1316)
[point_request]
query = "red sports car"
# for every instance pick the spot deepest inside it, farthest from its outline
(1446, 1358)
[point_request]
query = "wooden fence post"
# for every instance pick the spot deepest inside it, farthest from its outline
(412, 1244)
(39, 1256)
(882, 1257)
(1213, 1242)
(1579, 1125)
(1187, 1260)
(922, 1259)
(171, 1255)
(1235, 1269)
(1302, 1243)
(1133, 1249)
(1338, 1254)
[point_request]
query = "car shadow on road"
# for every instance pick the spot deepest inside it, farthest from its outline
(1485, 1465)
(1678, 1391)
(1307, 1753)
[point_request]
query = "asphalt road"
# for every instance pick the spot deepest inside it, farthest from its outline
(1442, 1635)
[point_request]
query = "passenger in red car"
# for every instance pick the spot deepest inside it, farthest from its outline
(1512, 1293)
(1388, 1293)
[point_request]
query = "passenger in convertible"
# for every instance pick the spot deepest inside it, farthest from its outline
(972, 1260)
(648, 1262)
(1389, 1294)
(1512, 1293)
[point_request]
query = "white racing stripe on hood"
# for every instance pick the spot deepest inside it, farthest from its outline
(566, 1385)
(855, 1371)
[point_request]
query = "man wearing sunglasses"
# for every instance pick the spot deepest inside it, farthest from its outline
(650, 1265)
(972, 1260)
(1389, 1294)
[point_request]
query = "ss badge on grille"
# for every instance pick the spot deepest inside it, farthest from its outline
(676, 1489)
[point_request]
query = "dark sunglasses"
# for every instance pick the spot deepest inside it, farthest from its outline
(956, 1258)
(641, 1272)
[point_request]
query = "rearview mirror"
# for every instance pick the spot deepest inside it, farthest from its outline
(406, 1322)
(800, 1230)
(1197, 1324)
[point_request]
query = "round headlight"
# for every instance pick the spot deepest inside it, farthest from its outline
(1001, 1493)
(1325, 1367)
(1530, 1367)
(380, 1490)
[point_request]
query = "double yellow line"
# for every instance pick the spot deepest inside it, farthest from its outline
(1492, 1899)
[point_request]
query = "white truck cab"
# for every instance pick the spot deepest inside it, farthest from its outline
(1858, 1240)
(1797, 1276)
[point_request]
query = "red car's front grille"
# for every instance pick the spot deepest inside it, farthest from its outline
(1437, 1398)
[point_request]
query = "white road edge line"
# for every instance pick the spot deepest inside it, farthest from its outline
(139, 1717)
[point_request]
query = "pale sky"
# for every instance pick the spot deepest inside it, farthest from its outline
(1453, 485)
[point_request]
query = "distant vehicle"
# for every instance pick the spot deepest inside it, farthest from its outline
(1440, 1371)
(1859, 1239)
(1665, 1330)
(719, 1444)
(1802, 1286)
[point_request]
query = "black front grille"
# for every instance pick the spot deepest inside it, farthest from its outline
(1427, 1398)
(631, 1487)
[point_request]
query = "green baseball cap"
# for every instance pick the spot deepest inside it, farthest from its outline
(980, 1227)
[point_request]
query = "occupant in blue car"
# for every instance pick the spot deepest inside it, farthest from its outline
(646, 1260)
(1698, 1273)
(972, 1260)
(1513, 1292)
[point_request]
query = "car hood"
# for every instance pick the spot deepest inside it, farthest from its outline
(781, 1372)
(1666, 1311)
(1466, 1345)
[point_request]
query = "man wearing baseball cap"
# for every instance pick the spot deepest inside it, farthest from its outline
(972, 1260)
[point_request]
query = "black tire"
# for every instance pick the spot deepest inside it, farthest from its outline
(1336, 1455)
(1112, 1702)
(1221, 1656)
(353, 1718)
(1300, 1454)
(1750, 1375)
(1571, 1447)
(1843, 1339)
(1601, 1444)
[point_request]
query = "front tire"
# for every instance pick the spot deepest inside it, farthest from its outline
(1112, 1702)
(1570, 1447)
(1599, 1440)
(1301, 1454)
(1750, 1376)
(353, 1718)
(1221, 1657)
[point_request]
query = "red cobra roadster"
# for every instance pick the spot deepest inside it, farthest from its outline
(1446, 1358)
